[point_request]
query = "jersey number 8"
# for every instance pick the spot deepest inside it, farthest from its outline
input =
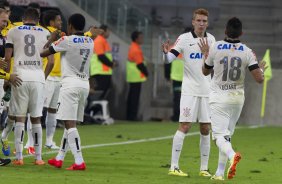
(29, 48)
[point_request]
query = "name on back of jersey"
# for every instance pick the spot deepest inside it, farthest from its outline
(228, 86)
(30, 63)
(26, 27)
(229, 47)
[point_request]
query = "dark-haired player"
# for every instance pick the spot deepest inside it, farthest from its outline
(77, 50)
(229, 59)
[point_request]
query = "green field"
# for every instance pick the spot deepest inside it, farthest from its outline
(146, 161)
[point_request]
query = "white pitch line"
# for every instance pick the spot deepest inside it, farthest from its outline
(130, 142)
(117, 143)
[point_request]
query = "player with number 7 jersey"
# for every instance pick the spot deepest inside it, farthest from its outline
(76, 52)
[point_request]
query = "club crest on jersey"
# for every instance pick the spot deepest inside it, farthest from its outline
(229, 47)
(196, 56)
(25, 27)
(82, 40)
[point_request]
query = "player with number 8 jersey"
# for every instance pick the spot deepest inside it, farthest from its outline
(26, 42)
(76, 52)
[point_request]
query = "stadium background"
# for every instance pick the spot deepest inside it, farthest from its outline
(160, 20)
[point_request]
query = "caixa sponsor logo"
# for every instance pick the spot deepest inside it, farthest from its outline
(82, 40)
(30, 28)
(196, 56)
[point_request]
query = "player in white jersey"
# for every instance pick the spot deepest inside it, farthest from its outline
(195, 90)
(26, 42)
(229, 59)
(77, 50)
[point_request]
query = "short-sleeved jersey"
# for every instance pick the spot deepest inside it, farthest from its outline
(101, 45)
(229, 62)
(27, 42)
(55, 74)
(76, 51)
(135, 53)
(194, 82)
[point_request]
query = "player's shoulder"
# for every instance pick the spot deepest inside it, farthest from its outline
(210, 36)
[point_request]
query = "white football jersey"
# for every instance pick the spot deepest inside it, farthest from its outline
(75, 58)
(194, 82)
(229, 61)
(27, 42)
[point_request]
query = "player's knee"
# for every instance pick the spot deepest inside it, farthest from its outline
(205, 130)
(185, 127)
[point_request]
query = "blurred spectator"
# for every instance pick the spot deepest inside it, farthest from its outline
(136, 73)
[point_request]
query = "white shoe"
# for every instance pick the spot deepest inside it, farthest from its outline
(52, 146)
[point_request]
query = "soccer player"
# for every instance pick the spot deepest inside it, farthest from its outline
(4, 18)
(229, 59)
(195, 90)
(77, 50)
(53, 22)
(25, 42)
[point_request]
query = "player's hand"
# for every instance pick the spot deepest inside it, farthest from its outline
(262, 66)
(95, 32)
(165, 46)
(3, 64)
(204, 46)
(15, 80)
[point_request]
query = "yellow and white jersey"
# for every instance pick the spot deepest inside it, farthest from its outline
(76, 51)
(27, 42)
(229, 62)
(194, 82)
(55, 74)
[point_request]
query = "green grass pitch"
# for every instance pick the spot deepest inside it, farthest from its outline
(146, 161)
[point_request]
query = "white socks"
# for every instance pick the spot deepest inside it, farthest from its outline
(29, 142)
(176, 149)
(225, 146)
(74, 143)
(204, 151)
(37, 137)
(19, 136)
(8, 128)
(222, 160)
(51, 123)
(64, 146)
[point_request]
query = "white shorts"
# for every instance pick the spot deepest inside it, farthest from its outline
(52, 89)
(27, 98)
(193, 109)
(71, 103)
(224, 118)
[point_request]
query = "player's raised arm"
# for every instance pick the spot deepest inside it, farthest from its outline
(207, 67)
(168, 56)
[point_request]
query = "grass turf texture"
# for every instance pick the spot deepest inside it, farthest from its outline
(148, 162)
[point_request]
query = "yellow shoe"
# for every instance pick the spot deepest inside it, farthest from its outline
(176, 172)
(219, 178)
(205, 173)
(233, 163)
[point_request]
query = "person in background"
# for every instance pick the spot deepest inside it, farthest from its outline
(136, 74)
